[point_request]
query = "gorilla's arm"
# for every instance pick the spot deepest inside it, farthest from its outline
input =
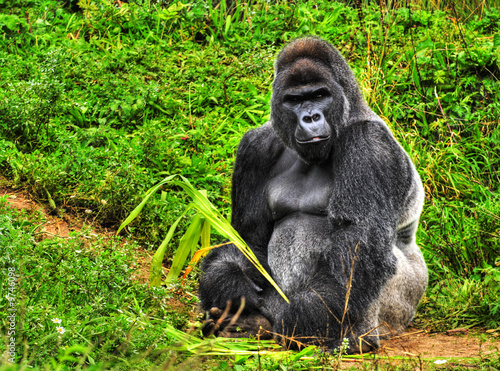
(373, 181)
(228, 275)
(258, 152)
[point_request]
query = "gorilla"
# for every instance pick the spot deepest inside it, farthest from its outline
(329, 203)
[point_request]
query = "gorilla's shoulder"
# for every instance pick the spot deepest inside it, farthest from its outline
(373, 135)
(373, 128)
(261, 142)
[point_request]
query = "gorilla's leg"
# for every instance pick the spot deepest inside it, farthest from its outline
(309, 319)
(400, 296)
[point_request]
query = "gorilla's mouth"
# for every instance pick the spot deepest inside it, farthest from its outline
(313, 140)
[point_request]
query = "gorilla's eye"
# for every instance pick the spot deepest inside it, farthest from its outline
(292, 98)
(321, 93)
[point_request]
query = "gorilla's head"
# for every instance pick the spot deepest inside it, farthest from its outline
(314, 93)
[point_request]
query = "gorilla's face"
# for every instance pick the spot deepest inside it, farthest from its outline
(308, 109)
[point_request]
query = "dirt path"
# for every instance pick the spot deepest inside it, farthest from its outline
(60, 227)
(453, 346)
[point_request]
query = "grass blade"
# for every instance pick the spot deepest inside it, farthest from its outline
(212, 216)
(188, 243)
(156, 262)
(139, 207)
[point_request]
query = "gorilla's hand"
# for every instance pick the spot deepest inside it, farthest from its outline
(221, 323)
(230, 281)
(216, 321)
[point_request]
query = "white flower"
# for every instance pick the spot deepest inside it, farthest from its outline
(61, 330)
(440, 361)
(119, 310)
(56, 320)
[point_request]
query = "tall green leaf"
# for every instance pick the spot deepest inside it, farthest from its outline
(212, 216)
(156, 262)
(139, 207)
(188, 243)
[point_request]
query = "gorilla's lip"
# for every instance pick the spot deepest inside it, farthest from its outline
(313, 140)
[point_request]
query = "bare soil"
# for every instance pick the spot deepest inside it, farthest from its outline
(449, 345)
(454, 345)
(54, 226)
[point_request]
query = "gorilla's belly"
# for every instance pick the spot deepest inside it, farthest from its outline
(294, 247)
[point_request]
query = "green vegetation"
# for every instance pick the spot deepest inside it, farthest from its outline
(101, 100)
(198, 231)
(77, 300)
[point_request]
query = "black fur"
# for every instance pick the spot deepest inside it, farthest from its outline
(329, 203)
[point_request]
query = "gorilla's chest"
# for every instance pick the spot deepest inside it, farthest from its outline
(298, 196)
(298, 187)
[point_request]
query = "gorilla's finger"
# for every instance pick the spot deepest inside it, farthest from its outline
(215, 313)
(257, 288)
(208, 328)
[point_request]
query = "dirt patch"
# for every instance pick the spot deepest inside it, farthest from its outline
(464, 344)
(414, 343)
(142, 265)
(53, 226)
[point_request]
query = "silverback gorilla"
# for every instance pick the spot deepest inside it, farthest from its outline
(329, 202)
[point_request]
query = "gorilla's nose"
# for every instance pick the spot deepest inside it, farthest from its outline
(312, 117)
(312, 128)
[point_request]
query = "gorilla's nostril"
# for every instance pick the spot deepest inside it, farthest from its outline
(316, 117)
(307, 119)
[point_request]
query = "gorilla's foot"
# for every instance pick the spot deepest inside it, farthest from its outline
(255, 325)
(222, 324)
(215, 322)
(365, 348)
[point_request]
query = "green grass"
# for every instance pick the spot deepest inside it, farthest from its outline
(98, 103)
(86, 282)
